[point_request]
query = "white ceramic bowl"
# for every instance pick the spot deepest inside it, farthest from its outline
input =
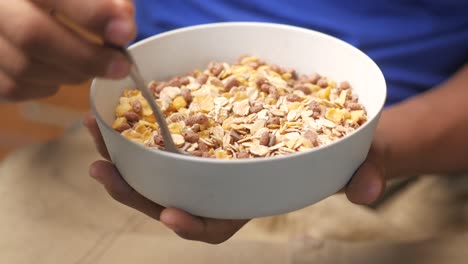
(240, 189)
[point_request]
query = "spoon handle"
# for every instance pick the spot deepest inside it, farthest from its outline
(160, 118)
(140, 84)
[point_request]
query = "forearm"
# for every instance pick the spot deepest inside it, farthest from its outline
(428, 133)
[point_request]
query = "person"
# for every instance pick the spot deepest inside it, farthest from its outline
(421, 47)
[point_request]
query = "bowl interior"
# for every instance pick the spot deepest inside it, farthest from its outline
(181, 51)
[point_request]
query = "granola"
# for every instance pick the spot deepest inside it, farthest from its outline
(243, 110)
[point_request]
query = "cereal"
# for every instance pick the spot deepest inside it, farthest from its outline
(315, 78)
(215, 68)
(136, 106)
(303, 88)
(249, 109)
(265, 138)
(179, 140)
(233, 82)
(196, 153)
(203, 147)
(345, 85)
(354, 106)
(191, 136)
(256, 108)
(123, 127)
(179, 102)
(243, 155)
(131, 116)
(158, 140)
(323, 83)
(293, 98)
(235, 136)
(202, 79)
(184, 80)
(186, 95)
(199, 119)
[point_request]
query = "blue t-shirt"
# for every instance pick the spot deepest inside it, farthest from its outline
(418, 44)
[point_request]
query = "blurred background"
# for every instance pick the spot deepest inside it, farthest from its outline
(42, 120)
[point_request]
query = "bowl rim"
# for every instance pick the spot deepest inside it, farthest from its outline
(191, 158)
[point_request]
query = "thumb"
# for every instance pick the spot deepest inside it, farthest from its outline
(368, 183)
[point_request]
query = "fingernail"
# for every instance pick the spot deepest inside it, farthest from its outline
(119, 68)
(94, 175)
(373, 190)
(97, 179)
(365, 191)
(119, 31)
(172, 227)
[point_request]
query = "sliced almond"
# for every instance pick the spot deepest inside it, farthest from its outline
(277, 112)
(178, 139)
(241, 108)
(259, 150)
(292, 116)
(259, 124)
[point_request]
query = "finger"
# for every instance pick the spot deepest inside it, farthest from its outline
(368, 183)
(7, 86)
(91, 124)
(190, 227)
(20, 91)
(21, 68)
(111, 19)
(106, 173)
(185, 225)
(36, 34)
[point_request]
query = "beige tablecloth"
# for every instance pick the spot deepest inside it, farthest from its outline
(52, 212)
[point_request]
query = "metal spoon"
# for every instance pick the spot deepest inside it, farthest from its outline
(147, 94)
(134, 74)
